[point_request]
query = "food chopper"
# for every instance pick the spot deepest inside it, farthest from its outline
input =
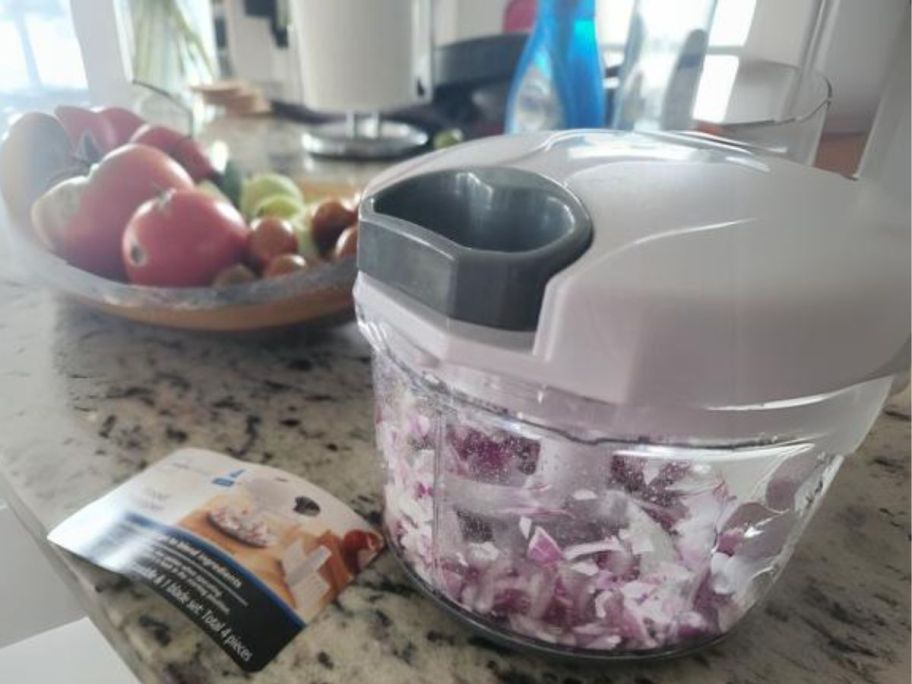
(616, 374)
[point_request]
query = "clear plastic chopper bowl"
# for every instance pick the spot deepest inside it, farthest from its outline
(509, 506)
(616, 374)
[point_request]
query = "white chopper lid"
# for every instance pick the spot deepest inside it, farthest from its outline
(714, 277)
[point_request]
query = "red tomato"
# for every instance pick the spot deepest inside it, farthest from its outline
(178, 146)
(330, 218)
(284, 264)
(347, 244)
(270, 237)
(77, 122)
(123, 180)
(123, 121)
(183, 238)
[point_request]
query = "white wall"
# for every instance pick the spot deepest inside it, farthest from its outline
(780, 30)
(463, 19)
(886, 157)
(854, 49)
(856, 54)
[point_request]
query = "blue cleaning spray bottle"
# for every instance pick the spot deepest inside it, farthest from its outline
(559, 82)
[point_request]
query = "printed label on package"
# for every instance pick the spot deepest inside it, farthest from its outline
(250, 553)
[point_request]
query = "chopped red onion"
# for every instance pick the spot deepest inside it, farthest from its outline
(582, 546)
(543, 549)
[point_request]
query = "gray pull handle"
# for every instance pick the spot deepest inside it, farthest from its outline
(477, 245)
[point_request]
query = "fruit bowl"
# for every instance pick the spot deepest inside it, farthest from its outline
(322, 292)
(142, 225)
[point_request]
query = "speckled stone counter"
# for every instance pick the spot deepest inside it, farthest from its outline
(86, 401)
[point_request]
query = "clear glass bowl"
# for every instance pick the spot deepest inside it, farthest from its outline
(773, 108)
(511, 506)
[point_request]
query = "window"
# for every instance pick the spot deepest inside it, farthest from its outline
(731, 24)
(38, 49)
(727, 36)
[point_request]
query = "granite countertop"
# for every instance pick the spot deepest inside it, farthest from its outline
(86, 401)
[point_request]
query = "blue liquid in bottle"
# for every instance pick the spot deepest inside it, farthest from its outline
(559, 80)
